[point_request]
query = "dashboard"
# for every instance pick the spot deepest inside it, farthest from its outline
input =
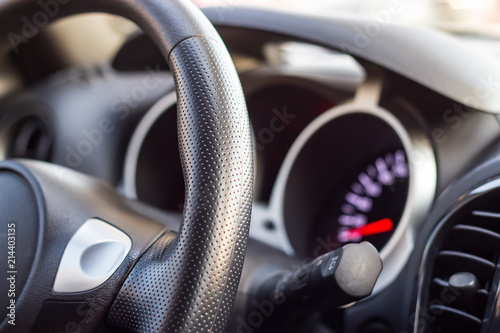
(385, 144)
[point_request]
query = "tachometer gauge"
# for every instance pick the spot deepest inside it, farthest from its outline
(372, 207)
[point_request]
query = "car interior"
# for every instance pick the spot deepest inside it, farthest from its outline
(250, 166)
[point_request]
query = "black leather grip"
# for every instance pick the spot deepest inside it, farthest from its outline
(188, 284)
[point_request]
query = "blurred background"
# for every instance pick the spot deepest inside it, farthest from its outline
(95, 38)
(476, 20)
(474, 17)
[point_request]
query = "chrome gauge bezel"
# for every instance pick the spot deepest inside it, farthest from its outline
(129, 186)
(421, 191)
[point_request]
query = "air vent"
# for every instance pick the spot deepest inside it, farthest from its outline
(460, 288)
(30, 138)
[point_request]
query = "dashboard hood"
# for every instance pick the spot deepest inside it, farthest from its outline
(424, 55)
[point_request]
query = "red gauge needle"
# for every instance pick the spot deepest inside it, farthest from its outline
(373, 228)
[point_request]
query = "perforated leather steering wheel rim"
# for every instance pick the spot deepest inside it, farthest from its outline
(186, 282)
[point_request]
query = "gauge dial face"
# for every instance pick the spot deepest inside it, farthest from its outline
(349, 182)
(368, 206)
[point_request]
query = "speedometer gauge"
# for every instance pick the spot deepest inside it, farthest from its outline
(371, 206)
(356, 173)
(350, 182)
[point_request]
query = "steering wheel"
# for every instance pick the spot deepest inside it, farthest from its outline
(93, 260)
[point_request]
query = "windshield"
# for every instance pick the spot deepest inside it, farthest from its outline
(474, 18)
